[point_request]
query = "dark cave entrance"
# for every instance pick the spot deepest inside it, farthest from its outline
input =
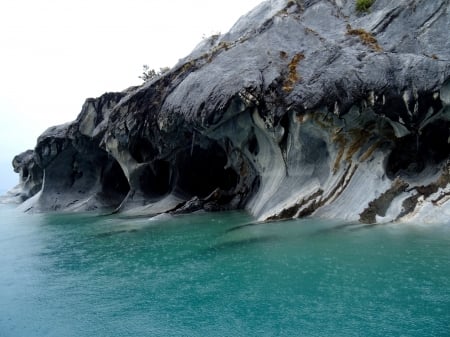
(113, 181)
(414, 152)
(200, 171)
(155, 179)
(141, 149)
(25, 173)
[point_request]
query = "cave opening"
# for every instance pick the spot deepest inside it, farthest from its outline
(252, 144)
(413, 153)
(113, 181)
(434, 141)
(394, 108)
(426, 104)
(155, 179)
(202, 170)
(142, 150)
(25, 173)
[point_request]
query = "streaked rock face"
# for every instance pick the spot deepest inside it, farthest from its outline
(30, 177)
(305, 108)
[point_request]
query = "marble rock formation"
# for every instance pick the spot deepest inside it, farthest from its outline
(304, 108)
(30, 177)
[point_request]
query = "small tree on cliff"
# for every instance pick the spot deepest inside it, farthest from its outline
(148, 74)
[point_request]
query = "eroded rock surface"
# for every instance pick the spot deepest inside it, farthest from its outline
(303, 108)
(30, 178)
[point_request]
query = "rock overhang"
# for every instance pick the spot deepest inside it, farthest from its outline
(286, 113)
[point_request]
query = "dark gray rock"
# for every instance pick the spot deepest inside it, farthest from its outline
(78, 173)
(30, 178)
(303, 108)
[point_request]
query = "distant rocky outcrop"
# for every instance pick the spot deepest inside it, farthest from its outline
(305, 108)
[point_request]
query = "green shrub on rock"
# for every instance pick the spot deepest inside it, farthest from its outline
(363, 5)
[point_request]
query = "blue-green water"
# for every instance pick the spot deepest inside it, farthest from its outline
(203, 275)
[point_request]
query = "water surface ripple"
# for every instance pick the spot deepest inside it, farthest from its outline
(220, 274)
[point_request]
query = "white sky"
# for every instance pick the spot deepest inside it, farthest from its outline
(56, 53)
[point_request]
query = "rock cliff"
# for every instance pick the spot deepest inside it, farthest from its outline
(304, 108)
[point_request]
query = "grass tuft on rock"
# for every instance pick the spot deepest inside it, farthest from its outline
(364, 5)
(366, 38)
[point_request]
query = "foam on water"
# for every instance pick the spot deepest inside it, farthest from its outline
(220, 274)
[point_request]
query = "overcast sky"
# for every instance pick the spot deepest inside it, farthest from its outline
(56, 53)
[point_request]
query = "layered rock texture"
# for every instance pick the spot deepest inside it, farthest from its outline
(305, 108)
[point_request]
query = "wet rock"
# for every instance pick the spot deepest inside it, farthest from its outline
(30, 178)
(304, 108)
(78, 174)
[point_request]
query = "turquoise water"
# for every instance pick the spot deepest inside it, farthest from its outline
(216, 275)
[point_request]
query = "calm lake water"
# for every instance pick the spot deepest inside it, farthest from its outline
(220, 275)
